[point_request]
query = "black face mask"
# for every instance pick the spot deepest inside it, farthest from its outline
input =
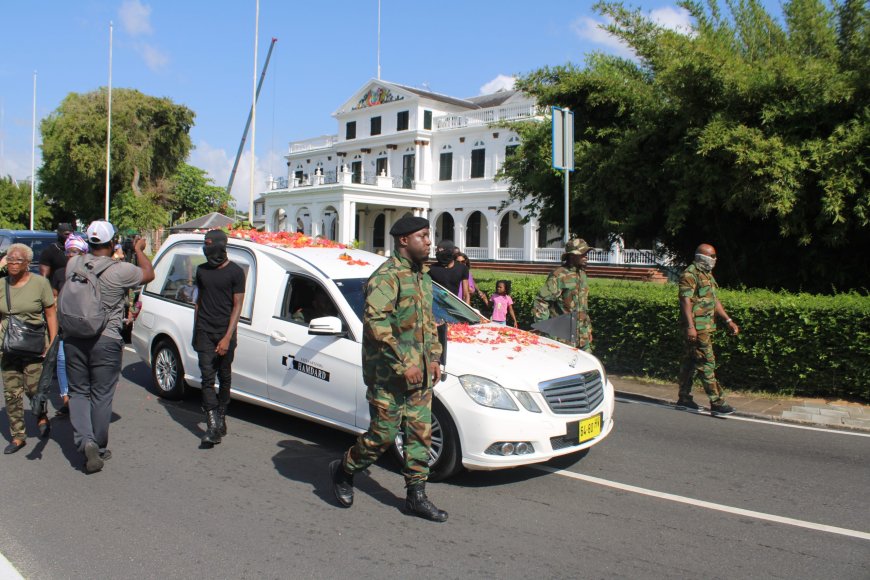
(444, 257)
(216, 252)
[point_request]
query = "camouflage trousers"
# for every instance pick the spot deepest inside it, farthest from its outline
(20, 379)
(698, 359)
(392, 409)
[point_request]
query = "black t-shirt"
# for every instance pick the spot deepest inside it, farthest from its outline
(450, 278)
(54, 257)
(57, 279)
(216, 288)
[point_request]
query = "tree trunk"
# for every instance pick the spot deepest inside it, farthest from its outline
(135, 183)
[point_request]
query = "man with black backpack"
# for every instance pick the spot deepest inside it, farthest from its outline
(91, 307)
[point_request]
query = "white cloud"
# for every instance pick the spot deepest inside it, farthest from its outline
(218, 164)
(154, 58)
(135, 18)
(676, 19)
(593, 30)
(590, 29)
(501, 82)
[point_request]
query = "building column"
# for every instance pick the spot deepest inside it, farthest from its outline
(530, 240)
(492, 235)
(346, 215)
(316, 217)
(388, 239)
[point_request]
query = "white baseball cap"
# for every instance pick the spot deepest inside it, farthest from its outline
(100, 232)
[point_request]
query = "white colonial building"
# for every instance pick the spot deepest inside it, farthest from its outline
(405, 151)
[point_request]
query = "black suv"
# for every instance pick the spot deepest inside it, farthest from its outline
(37, 240)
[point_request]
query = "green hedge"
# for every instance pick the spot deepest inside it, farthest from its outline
(793, 344)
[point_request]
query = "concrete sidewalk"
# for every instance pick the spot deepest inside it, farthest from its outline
(816, 412)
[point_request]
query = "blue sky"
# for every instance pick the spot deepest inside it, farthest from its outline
(200, 53)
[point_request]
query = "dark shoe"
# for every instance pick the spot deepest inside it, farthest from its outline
(342, 483)
(93, 461)
(418, 504)
(222, 420)
(44, 426)
(719, 409)
(212, 434)
(106, 455)
(15, 446)
(62, 412)
(688, 405)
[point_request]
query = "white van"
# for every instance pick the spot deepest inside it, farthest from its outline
(508, 397)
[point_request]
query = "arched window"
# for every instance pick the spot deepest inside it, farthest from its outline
(473, 230)
(378, 233)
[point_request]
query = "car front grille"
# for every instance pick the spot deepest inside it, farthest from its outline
(574, 395)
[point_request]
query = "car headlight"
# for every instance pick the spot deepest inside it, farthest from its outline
(487, 393)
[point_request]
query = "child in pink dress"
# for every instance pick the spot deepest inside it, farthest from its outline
(502, 304)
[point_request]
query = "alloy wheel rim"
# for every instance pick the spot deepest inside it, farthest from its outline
(166, 370)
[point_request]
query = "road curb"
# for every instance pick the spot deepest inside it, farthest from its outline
(775, 418)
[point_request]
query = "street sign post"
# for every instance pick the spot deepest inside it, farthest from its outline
(563, 151)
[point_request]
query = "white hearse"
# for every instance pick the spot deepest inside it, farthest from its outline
(509, 397)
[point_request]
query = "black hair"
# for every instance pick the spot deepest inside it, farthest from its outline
(507, 285)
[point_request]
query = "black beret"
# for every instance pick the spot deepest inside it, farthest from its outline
(408, 225)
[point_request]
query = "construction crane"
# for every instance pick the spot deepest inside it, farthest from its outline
(248, 124)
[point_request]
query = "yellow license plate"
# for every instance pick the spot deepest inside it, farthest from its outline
(590, 428)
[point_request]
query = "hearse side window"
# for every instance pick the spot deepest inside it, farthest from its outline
(175, 275)
(305, 300)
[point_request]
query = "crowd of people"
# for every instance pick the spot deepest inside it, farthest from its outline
(88, 356)
(401, 351)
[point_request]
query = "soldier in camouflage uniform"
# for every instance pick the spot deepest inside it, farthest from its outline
(699, 307)
(400, 360)
(566, 291)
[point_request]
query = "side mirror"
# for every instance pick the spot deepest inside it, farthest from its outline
(326, 326)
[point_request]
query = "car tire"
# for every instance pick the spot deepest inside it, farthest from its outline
(167, 372)
(445, 455)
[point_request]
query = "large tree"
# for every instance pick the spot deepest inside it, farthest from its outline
(150, 138)
(194, 194)
(750, 132)
(15, 201)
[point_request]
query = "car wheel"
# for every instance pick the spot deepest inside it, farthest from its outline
(167, 371)
(444, 455)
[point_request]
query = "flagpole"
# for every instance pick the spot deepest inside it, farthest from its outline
(379, 39)
(109, 127)
(254, 117)
(33, 155)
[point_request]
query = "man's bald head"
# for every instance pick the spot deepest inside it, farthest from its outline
(706, 250)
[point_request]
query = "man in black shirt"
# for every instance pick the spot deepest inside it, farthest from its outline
(448, 272)
(221, 291)
(53, 258)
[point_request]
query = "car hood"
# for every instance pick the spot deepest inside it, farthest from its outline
(515, 359)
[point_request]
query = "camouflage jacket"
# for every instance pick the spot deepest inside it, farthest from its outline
(700, 288)
(566, 290)
(398, 324)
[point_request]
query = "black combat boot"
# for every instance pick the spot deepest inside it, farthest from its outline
(418, 504)
(342, 483)
(222, 419)
(212, 434)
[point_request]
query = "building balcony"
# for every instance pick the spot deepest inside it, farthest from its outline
(486, 117)
(313, 144)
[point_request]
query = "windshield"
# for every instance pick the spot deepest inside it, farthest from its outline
(447, 307)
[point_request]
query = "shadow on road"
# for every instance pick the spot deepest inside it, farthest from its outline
(475, 479)
(309, 464)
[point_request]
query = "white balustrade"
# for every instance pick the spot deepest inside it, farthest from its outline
(485, 117)
(477, 253)
(548, 254)
(321, 142)
(510, 254)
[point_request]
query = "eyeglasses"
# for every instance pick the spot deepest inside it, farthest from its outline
(16, 261)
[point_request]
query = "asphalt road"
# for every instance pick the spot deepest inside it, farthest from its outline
(260, 504)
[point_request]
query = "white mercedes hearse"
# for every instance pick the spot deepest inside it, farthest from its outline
(509, 397)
